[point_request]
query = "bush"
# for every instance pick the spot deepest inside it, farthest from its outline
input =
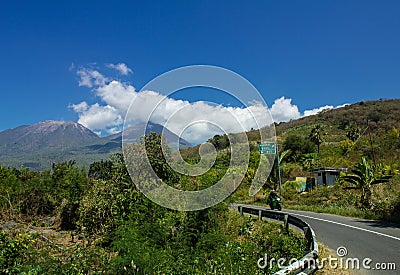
(298, 146)
(13, 252)
(232, 246)
(346, 146)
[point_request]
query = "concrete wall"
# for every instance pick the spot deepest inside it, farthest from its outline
(331, 178)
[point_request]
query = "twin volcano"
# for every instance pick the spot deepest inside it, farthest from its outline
(39, 145)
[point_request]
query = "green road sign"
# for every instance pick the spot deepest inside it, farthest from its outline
(267, 148)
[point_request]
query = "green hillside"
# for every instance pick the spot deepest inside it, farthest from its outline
(380, 118)
(366, 129)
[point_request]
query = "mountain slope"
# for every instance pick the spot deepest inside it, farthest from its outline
(133, 134)
(380, 114)
(41, 144)
(45, 135)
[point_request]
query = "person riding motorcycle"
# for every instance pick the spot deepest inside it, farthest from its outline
(274, 200)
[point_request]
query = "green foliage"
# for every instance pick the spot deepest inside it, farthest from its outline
(298, 146)
(273, 179)
(389, 145)
(374, 116)
(157, 151)
(346, 146)
(316, 135)
(310, 161)
(52, 192)
(101, 170)
(108, 202)
(395, 209)
(28, 254)
(364, 176)
(231, 245)
(69, 182)
(353, 132)
(290, 189)
(220, 141)
(13, 252)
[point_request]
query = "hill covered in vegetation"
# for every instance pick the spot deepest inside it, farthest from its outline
(340, 138)
(349, 135)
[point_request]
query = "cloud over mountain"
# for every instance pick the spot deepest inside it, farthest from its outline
(191, 120)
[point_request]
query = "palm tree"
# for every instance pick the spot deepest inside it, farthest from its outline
(363, 178)
(353, 132)
(316, 135)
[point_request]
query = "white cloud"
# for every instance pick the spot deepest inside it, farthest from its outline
(317, 110)
(343, 105)
(320, 109)
(176, 115)
(117, 94)
(80, 107)
(90, 78)
(103, 118)
(121, 68)
(283, 110)
(195, 122)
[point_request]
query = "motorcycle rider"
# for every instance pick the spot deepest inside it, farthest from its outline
(272, 196)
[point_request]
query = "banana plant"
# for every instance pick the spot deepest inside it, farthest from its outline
(363, 178)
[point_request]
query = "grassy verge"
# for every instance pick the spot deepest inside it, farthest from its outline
(325, 252)
(234, 247)
(334, 200)
(385, 203)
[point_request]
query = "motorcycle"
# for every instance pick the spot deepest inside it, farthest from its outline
(275, 203)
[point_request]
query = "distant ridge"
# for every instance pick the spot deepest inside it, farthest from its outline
(45, 135)
(39, 145)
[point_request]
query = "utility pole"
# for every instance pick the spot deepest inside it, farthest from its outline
(372, 144)
(271, 148)
(279, 170)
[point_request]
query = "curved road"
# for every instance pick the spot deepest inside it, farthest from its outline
(362, 239)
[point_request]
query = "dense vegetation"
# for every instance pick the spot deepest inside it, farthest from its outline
(68, 221)
(365, 138)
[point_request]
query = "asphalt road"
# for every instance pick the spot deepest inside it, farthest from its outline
(361, 238)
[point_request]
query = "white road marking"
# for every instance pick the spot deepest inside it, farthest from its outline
(351, 226)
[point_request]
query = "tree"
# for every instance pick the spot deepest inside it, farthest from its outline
(310, 161)
(69, 184)
(346, 146)
(220, 142)
(353, 132)
(298, 146)
(363, 178)
(101, 170)
(316, 135)
(155, 149)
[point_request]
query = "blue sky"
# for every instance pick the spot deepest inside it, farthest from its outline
(315, 53)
